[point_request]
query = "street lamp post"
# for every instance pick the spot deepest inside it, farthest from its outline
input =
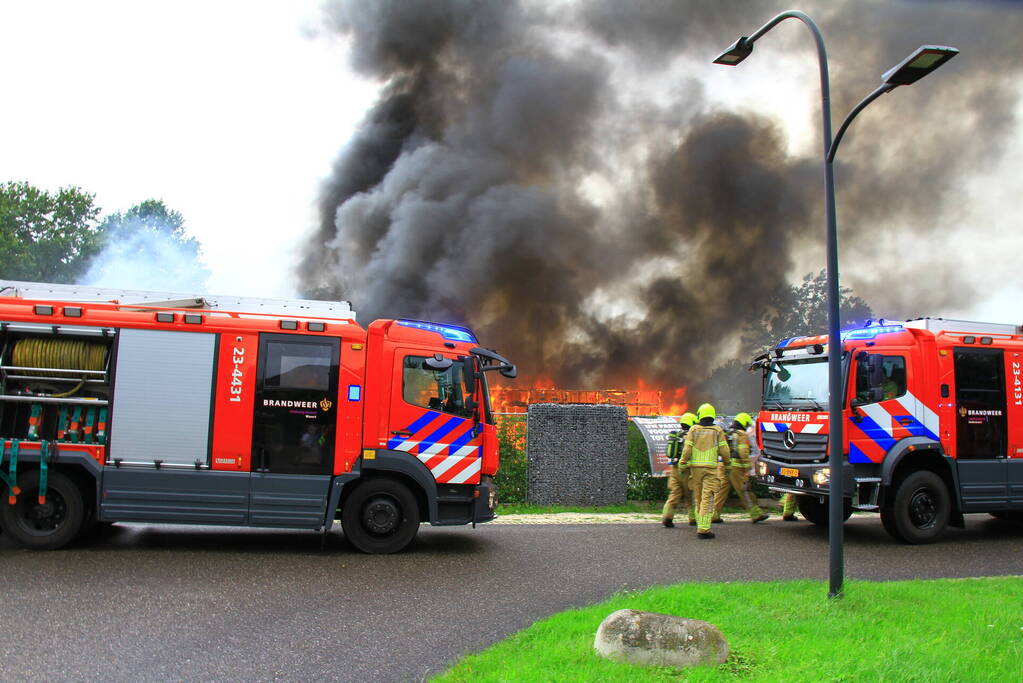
(910, 70)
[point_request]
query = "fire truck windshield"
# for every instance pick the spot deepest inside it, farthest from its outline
(798, 383)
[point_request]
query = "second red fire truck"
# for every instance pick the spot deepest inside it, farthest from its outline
(120, 406)
(933, 415)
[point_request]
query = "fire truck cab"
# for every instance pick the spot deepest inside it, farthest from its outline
(933, 413)
(128, 406)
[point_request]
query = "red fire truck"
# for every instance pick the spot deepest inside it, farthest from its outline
(933, 414)
(126, 406)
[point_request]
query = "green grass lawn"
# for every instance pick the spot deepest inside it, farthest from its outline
(941, 630)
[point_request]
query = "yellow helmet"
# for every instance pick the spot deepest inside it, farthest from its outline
(687, 419)
(744, 419)
(706, 410)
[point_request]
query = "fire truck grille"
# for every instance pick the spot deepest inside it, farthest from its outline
(807, 447)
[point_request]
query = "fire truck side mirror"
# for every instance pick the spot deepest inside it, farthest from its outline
(875, 369)
(469, 370)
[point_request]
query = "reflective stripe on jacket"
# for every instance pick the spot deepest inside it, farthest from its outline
(703, 445)
(741, 455)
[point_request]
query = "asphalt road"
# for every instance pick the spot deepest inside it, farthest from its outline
(156, 603)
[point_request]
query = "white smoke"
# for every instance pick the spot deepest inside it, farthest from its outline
(141, 256)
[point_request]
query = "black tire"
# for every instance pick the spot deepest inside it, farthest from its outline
(919, 509)
(816, 511)
(380, 517)
(48, 526)
(888, 522)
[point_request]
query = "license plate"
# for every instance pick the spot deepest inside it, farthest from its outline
(789, 472)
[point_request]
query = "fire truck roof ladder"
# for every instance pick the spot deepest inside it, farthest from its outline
(239, 304)
(947, 325)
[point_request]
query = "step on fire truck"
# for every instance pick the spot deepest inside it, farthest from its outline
(933, 415)
(128, 406)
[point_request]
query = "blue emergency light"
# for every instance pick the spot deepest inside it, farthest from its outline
(449, 332)
(854, 335)
(871, 332)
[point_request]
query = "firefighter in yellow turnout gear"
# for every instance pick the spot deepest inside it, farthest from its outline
(704, 444)
(737, 476)
(678, 477)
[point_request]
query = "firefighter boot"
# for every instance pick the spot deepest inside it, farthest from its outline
(788, 508)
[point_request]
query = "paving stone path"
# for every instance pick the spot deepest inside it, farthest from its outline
(600, 518)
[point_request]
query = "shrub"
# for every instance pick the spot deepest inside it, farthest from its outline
(641, 484)
(511, 481)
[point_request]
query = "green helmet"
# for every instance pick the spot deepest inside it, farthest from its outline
(744, 419)
(706, 410)
(687, 419)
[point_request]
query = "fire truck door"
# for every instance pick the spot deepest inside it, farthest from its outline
(431, 419)
(981, 430)
(1014, 415)
(294, 430)
(877, 425)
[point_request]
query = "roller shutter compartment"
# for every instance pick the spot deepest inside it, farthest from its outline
(162, 392)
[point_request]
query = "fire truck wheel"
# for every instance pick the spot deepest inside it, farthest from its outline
(816, 511)
(44, 526)
(380, 517)
(919, 510)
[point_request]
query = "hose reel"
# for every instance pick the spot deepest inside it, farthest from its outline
(52, 355)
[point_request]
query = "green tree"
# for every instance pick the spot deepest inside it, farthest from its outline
(146, 247)
(47, 237)
(150, 215)
(803, 311)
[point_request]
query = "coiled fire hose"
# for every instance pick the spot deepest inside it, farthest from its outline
(62, 354)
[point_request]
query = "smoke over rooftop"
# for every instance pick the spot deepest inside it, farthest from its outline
(559, 179)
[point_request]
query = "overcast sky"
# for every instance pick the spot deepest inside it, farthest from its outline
(233, 111)
(229, 111)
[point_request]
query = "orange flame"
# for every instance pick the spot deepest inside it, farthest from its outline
(639, 401)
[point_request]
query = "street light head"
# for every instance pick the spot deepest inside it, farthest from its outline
(923, 61)
(738, 51)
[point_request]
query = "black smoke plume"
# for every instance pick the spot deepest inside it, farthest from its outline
(555, 177)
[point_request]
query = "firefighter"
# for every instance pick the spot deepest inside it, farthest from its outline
(737, 476)
(705, 443)
(893, 383)
(678, 477)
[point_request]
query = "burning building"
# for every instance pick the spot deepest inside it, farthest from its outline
(640, 401)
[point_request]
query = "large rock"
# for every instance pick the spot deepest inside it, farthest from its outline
(655, 639)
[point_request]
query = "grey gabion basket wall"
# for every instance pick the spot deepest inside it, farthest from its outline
(577, 454)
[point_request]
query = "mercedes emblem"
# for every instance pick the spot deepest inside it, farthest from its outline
(789, 439)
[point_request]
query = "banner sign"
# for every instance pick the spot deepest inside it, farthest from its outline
(655, 433)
